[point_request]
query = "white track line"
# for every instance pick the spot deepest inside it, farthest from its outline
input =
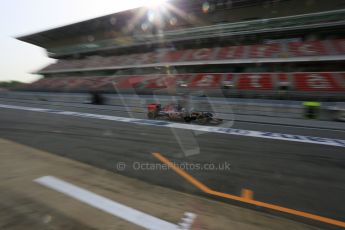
(210, 129)
(124, 212)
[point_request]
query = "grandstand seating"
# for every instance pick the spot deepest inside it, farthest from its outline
(283, 55)
(310, 50)
(317, 82)
(330, 82)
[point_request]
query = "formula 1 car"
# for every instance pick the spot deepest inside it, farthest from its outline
(175, 112)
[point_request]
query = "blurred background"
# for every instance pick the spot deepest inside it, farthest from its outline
(263, 81)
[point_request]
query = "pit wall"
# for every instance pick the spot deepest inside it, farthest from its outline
(225, 108)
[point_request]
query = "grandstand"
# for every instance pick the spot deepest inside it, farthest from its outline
(285, 49)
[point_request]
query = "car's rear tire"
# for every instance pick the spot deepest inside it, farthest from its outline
(187, 119)
(151, 115)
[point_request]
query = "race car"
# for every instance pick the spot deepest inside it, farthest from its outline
(176, 112)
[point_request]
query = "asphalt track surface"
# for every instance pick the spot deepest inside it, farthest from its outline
(301, 176)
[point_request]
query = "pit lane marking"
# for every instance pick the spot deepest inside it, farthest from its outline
(246, 197)
(109, 206)
(209, 129)
(247, 194)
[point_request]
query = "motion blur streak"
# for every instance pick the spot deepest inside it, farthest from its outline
(211, 129)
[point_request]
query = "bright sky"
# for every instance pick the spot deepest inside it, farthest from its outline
(21, 17)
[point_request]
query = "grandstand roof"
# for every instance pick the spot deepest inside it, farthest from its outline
(104, 22)
(79, 28)
(53, 39)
